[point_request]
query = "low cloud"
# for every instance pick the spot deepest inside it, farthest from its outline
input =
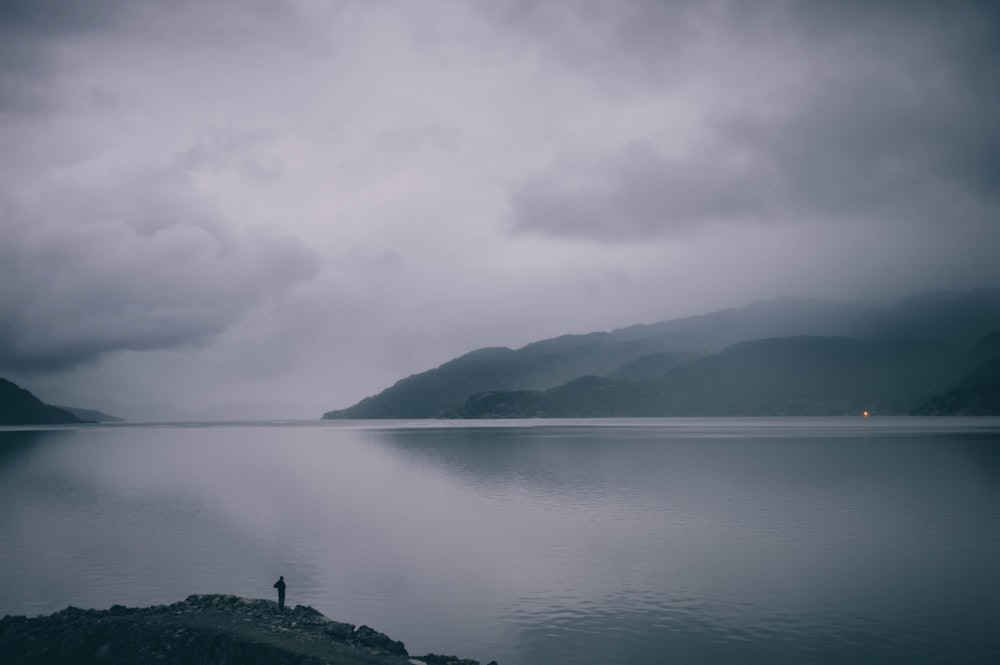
(117, 262)
(635, 193)
(28, 31)
(882, 118)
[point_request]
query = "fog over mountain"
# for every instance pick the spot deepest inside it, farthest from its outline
(771, 358)
(289, 205)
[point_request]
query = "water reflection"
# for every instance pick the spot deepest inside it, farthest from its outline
(764, 547)
(17, 444)
(607, 542)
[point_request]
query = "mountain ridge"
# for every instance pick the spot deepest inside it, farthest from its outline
(20, 407)
(977, 392)
(631, 352)
(792, 376)
(90, 415)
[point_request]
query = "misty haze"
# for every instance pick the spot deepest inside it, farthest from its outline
(597, 331)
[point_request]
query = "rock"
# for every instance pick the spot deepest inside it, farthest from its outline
(339, 631)
(308, 613)
(437, 659)
(203, 629)
(370, 637)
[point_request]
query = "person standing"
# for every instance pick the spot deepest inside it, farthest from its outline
(280, 586)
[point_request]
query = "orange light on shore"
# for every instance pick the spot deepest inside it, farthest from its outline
(865, 413)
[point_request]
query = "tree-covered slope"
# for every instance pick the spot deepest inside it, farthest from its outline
(977, 393)
(20, 407)
(781, 376)
(647, 352)
(442, 391)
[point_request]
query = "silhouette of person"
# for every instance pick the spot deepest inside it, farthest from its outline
(280, 586)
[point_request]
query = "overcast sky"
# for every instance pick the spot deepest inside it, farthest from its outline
(304, 201)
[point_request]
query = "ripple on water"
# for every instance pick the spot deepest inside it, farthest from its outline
(652, 627)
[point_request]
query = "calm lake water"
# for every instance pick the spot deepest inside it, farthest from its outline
(533, 542)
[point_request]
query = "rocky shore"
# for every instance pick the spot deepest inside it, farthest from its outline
(201, 630)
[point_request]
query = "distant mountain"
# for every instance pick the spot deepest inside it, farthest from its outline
(977, 392)
(790, 376)
(442, 391)
(90, 415)
(20, 407)
(981, 400)
(630, 361)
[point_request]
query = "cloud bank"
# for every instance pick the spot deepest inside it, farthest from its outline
(307, 201)
(836, 112)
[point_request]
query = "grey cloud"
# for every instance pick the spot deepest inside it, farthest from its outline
(38, 37)
(885, 114)
(112, 245)
(222, 22)
(636, 193)
(621, 44)
(143, 138)
(56, 16)
(866, 147)
(230, 148)
(141, 264)
(414, 139)
(644, 42)
(28, 31)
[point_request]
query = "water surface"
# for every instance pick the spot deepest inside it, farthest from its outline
(609, 541)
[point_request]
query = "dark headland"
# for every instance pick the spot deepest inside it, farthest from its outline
(203, 629)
